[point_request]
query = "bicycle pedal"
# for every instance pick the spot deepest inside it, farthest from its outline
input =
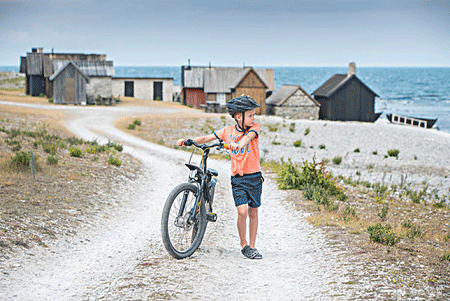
(211, 217)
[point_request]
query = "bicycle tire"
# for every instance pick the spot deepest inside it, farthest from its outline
(181, 241)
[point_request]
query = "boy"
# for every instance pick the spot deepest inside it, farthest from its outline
(246, 177)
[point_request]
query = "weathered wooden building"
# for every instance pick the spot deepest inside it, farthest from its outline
(148, 88)
(345, 97)
(38, 68)
(100, 75)
(69, 85)
(293, 102)
(220, 84)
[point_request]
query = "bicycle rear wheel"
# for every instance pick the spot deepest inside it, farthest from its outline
(181, 234)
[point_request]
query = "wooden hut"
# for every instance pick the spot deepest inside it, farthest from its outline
(69, 85)
(100, 75)
(293, 102)
(345, 97)
(38, 67)
(220, 84)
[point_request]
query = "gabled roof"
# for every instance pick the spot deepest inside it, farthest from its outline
(64, 67)
(279, 97)
(335, 83)
(89, 68)
(220, 79)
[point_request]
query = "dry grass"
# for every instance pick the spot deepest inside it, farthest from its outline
(58, 199)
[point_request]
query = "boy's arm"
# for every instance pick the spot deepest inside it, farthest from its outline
(247, 138)
(199, 140)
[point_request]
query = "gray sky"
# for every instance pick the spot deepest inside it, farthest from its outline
(231, 33)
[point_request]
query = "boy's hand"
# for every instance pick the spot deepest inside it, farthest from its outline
(234, 146)
(180, 142)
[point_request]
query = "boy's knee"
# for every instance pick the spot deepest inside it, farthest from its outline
(253, 212)
(242, 211)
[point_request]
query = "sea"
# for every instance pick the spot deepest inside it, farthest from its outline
(411, 91)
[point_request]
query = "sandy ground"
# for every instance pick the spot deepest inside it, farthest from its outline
(122, 258)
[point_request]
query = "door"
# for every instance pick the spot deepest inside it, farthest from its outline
(129, 89)
(157, 91)
(70, 90)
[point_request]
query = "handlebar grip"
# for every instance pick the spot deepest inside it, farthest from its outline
(188, 142)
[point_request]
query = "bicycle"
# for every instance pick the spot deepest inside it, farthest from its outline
(189, 206)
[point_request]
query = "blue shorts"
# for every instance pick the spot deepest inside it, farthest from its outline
(247, 189)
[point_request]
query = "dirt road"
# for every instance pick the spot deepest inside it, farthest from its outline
(122, 257)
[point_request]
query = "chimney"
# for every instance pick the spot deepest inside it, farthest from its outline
(41, 50)
(351, 69)
(209, 65)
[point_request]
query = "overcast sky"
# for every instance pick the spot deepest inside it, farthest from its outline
(231, 33)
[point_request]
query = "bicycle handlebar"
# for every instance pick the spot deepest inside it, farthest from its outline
(221, 144)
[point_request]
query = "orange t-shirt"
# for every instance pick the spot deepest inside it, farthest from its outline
(245, 161)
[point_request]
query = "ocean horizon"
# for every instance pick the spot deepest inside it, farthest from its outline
(412, 91)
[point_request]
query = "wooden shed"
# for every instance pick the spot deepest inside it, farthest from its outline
(69, 85)
(345, 97)
(293, 102)
(220, 84)
(100, 75)
(38, 67)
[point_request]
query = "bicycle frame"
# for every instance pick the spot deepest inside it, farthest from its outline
(201, 177)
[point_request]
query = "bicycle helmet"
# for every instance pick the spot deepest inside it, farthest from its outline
(241, 104)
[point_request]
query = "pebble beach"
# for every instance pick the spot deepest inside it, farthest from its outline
(423, 158)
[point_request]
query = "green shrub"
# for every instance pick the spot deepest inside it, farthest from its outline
(337, 160)
(51, 160)
(137, 122)
(276, 143)
(21, 159)
(445, 257)
(307, 131)
(131, 126)
(292, 127)
(375, 153)
(322, 146)
(50, 148)
(393, 153)
(74, 141)
(75, 152)
(316, 183)
(273, 128)
(384, 212)
(116, 146)
(114, 161)
(382, 234)
(298, 143)
(348, 213)
(356, 150)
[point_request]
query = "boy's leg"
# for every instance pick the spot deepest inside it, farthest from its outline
(253, 225)
(242, 224)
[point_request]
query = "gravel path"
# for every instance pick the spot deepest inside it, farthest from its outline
(122, 257)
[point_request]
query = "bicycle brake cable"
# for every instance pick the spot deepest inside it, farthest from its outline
(193, 150)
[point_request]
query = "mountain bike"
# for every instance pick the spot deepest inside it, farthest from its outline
(189, 206)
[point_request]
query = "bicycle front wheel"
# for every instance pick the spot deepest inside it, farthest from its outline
(182, 233)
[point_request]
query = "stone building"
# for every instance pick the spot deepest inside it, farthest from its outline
(291, 101)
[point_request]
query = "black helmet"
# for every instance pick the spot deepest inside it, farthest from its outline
(241, 104)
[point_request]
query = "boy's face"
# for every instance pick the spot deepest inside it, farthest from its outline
(249, 118)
